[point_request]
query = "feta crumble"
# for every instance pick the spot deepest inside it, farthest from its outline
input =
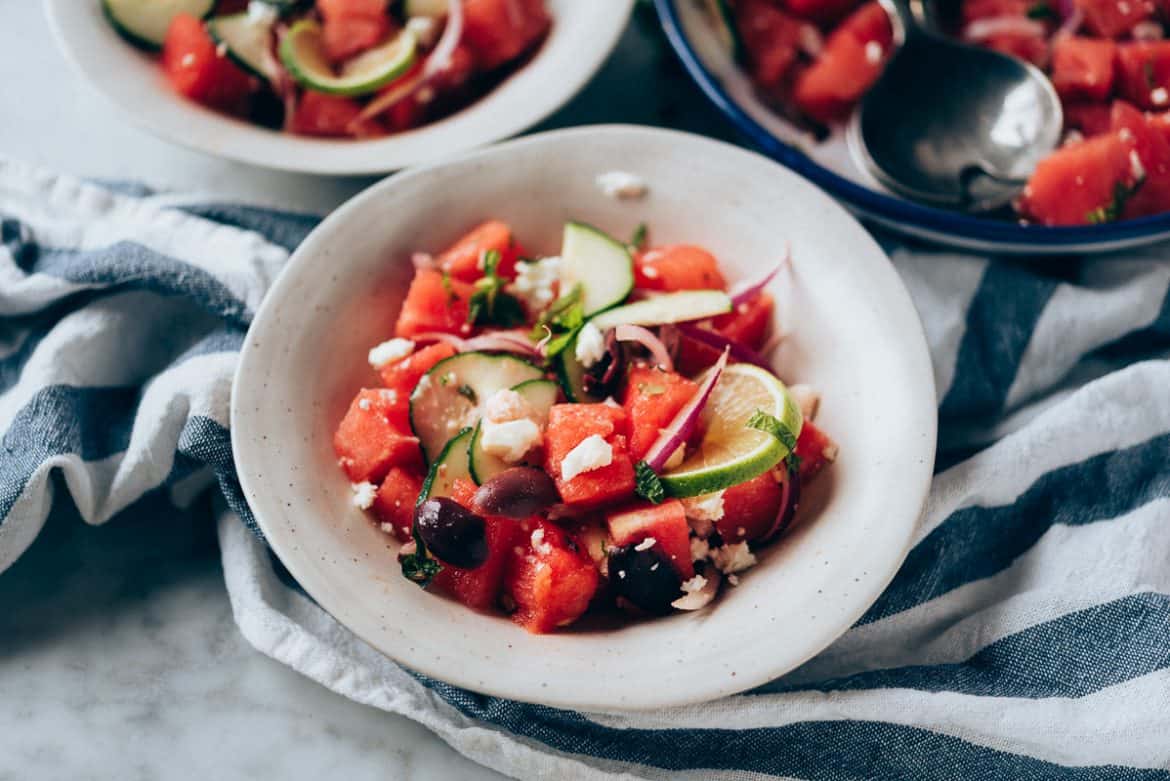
(733, 558)
(1160, 96)
(262, 13)
(364, 495)
(534, 282)
(873, 52)
(593, 453)
(646, 544)
(538, 543)
(390, 351)
(505, 405)
(699, 549)
(733, 580)
(707, 507)
(694, 584)
(590, 345)
(621, 185)
(509, 440)
(364, 404)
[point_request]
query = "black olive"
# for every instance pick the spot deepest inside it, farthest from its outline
(519, 492)
(451, 532)
(605, 375)
(644, 577)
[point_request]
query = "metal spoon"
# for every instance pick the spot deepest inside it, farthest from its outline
(954, 125)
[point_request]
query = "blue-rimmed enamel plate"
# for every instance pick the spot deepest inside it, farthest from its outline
(830, 164)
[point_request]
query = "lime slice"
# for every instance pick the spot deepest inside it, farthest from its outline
(303, 52)
(731, 451)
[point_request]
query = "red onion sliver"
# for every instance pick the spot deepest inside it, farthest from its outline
(646, 338)
(501, 342)
(740, 352)
(542, 345)
(687, 419)
(440, 57)
(752, 290)
(1072, 22)
(789, 500)
(388, 100)
(437, 336)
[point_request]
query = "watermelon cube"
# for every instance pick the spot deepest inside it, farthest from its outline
(1081, 183)
(666, 523)
(750, 509)
(499, 31)
(1143, 74)
(853, 58)
(678, 267)
(815, 449)
(462, 259)
(772, 40)
(571, 424)
(435, 302)
(1082, 68)
(395, 500)
(550, 579)
(651, 399)
(1114, 18)
(368, 444)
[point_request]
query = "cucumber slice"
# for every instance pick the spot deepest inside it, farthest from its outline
(303, 52)
(452, 464)
(599, 263)
(435, 9)
(450, 396)
(670, 308)
(248, 39)
(145, 22)
(541, 395)
(571, 375)
(722, 17)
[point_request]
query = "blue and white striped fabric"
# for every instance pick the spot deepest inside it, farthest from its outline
(1027, 635)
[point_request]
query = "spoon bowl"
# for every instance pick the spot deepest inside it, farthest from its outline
(953, 125)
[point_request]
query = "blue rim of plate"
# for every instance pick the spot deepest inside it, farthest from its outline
(885, 207)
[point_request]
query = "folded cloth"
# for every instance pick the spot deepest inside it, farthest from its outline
(1027, 635)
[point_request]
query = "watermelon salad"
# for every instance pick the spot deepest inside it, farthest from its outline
(814, 59)
(334, 68)
(597, 430)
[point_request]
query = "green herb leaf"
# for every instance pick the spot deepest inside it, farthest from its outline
(419, 567)
(452, 296)
(767, 423)
(649, 485)
(1041, 10)
(1112, 210)
(563, 318)
(638, 239)
(489, 304)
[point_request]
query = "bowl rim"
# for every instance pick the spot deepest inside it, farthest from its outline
(281, 151)
(916, 492)
(892, 211)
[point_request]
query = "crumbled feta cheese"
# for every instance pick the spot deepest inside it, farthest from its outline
(389, 395)
(590, 345)
(1160, 96)
(654, 566)
(262, 13)
(387, 527)
(699, 549)
(538, 543)
(390, 351)
(505, 405)
(534, 282)
(706, 507)
(593, 453)
(621, 185)
(364, 404)
(733, 580)
(733, 558)
(694, 584)
(650, 272)
(425, 29)
(1135, 165)
(364, 495)
(676, 458)
(511, 439)
(873, 52)
(646, 544)
(610, 401)
(621, 573)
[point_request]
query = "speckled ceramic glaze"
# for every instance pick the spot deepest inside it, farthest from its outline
(852, 332)
(582, 36)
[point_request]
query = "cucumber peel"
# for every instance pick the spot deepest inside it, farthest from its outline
(145, 22)
(303, 53)
(599, 263)
(248, 41)
(677, 307)
(541, 395)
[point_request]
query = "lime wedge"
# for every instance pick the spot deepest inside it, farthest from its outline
(731, 451)
(303, 52)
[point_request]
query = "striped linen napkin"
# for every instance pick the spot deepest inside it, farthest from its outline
(1027, 635)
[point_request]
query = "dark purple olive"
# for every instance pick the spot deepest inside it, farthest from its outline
(519, 492)
(604, 376)
(451, 532)
(645, 578)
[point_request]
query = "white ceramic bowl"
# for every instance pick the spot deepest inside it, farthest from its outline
(852, 332)
(582, 36)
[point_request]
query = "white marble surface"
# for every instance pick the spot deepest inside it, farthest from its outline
(118, 654)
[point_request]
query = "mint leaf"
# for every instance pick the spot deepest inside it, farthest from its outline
(564, 318)
(1041, 11)
(1112, 210)
(638, 240)
(762, 421)
(648, 484)
(419, 567)
(489, 304)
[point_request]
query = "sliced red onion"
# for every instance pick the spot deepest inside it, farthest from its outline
(1147, 31)
(440, 58)
(982, 29)
(810, 41)
(752, 290)
(542, 345)
(458, 343)
(390, 99)
(646, 338)
(686, 421)
(1066, 8)
(740, 352)
(1073, 20)
(789, 500)
(502, 341)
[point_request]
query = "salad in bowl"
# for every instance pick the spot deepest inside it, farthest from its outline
(598, 430)
(334, 68)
